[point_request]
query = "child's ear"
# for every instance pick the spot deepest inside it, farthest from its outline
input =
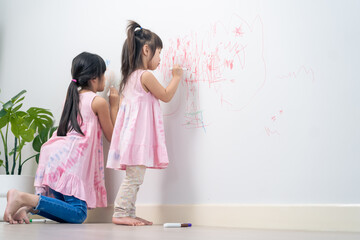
(94, 80)
(146, 50)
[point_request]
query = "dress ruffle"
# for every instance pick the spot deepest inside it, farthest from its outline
(72, 185)
(135, 154)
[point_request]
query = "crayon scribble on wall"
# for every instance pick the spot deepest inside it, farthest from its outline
(226, 58)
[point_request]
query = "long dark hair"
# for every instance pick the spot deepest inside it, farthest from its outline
(85, 66)
(137, 37)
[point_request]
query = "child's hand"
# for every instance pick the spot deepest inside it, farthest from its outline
(177, 71)
(114, 97)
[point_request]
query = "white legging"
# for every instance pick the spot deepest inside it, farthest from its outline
(126, 196)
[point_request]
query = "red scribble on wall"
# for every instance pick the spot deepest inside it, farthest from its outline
(270, 132)
(238, 31)
(226, 58)
(301, 72)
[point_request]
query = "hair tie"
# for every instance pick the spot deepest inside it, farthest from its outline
(74, 80)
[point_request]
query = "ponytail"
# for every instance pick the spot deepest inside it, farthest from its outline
(69, 116)
(85, 67)
(131, 43)
(131, 59)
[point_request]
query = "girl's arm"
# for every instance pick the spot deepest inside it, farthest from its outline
(115, 102)
(150, 83)
(101, 109)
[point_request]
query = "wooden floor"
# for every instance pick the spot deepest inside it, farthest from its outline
(109, 231)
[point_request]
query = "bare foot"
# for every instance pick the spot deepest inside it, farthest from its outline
(12, 206)
(146, 222)
(127, 221)
(21, 215)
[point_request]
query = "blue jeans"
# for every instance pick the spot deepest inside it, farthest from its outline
(62, 208)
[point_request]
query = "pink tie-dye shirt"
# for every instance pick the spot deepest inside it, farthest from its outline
(73, 165)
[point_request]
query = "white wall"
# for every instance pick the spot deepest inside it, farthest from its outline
(281, 126)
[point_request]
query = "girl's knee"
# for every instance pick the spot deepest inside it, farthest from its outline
(138, 181)
(79, 218)
(83, 216)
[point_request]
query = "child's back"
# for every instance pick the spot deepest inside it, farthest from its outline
(66, 161)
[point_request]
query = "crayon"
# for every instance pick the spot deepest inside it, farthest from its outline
(176, 225)
(41, 220)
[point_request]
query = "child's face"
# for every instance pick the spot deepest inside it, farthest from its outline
(155, 61)
(101, 83)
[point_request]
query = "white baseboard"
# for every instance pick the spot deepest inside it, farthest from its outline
(286, 217)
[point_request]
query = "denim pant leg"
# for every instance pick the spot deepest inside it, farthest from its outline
(62, 208)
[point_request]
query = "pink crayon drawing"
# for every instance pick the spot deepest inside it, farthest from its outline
(295, 81)
(272, 130)
(226, 58)
(301, 72)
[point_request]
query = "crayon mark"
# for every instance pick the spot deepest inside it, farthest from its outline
(274, 118)
(226, 58)
(300, 73)
(304, 76)
(270, 132)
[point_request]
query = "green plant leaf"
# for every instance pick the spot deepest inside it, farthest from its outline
(8, 105)
(39, 118)
(44, 134)
(37, 110)
(37, 143)
(17, 126)
(13, 99)
(27, 134)
(4, 120)
(52, 130)
(19, 100)
(24, 125)
(21, 114)
(37, 158)
(17, 108)
(43, 137)
(3, 112)
(12, 152)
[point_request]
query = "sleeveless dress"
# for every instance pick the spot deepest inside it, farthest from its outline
(138, 137)
(73, 164)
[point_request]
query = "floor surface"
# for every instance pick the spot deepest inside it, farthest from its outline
(110, 231)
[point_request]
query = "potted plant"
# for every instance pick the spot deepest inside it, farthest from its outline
(31, 126)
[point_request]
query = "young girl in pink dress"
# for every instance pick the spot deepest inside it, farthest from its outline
(138, 139)
(70, 175)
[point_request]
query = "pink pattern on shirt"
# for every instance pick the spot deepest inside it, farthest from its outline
(73, 165)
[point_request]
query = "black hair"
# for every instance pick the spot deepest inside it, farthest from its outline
(85, 67)
(137, 37)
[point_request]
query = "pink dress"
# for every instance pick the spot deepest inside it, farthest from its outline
(138, 137)
(74, 164)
